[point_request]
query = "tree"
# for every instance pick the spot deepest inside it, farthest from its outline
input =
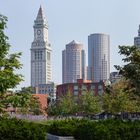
(89, 104)
(86, 104)
(27, 90)
(8, 62)
(131, 70)
(67, 104)
(118, 100)
(34, 106)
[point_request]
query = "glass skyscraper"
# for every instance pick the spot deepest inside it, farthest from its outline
(98, 57)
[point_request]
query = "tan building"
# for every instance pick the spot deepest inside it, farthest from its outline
(73, 62)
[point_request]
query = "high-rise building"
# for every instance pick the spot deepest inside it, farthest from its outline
(137, 39)
(41, 72)
(73, 62)
(98, 57)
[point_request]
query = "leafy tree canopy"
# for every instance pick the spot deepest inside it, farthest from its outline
(131, 70)
(8, 62)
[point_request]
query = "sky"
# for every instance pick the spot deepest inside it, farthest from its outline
(70, 20)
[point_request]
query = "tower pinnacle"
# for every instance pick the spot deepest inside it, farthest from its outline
(40, 14)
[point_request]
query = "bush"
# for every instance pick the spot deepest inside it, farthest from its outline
(108, 130)
(65, 127)
(13, 129)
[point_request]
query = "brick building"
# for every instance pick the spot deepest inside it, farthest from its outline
(79, 88)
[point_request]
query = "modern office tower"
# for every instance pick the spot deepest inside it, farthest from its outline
(73, 62)
(41, 72)
(98, 57)
(137, 39)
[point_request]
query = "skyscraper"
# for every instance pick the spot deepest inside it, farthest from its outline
(41, 72)
(73, 62)
(98, 57)
(137, 39)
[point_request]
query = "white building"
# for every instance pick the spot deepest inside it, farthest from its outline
(73, 62)
(98, 57)
(49, 88)
(137, 39)
(41, 71)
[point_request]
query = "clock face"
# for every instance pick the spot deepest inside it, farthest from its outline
(38, 32)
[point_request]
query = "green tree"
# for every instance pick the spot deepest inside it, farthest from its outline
(89, 104)
(8, 63)
(117, 100)
(34, 106)
(131, 70)
(26, 90)
(67, 104)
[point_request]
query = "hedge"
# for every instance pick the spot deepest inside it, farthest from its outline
(96, 130)
(108, 130)
(13, 129)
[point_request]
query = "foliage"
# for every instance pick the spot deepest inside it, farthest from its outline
(89, 103)
(96, 130)
(118, 100)
(53, 110)
(27, 90)
(66, 104)
(65, 127)
(131, 70)
(108, 130)
(34, 106)
(13, 129)
(85, 104)
(21, 103)
(8, 62)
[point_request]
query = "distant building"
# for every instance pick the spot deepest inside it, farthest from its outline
(137, 39)
(49, 89)
(73, 62)
(42, 98)
(41, 71)
(79, 88)
(98, 57)
(115, 77)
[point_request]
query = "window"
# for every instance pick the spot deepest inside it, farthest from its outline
(75, 93)
(38, 55)
(92, 86)
(75, 87)
(48, 56)
(84, 87)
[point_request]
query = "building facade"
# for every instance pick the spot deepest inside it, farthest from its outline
(49, 89)
(41, 71)
(73, 62)
(80, 87)
(98, 57)
(137, 39)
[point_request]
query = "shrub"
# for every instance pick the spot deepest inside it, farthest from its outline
(13, 129)
(64, 127)
(108, 130)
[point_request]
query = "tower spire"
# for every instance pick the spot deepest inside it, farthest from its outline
(40, 14)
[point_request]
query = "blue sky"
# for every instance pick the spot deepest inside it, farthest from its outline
(68, 20)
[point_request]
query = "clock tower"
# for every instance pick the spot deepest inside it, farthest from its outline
(41, 71)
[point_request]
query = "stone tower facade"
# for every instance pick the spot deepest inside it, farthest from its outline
(41, 69)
